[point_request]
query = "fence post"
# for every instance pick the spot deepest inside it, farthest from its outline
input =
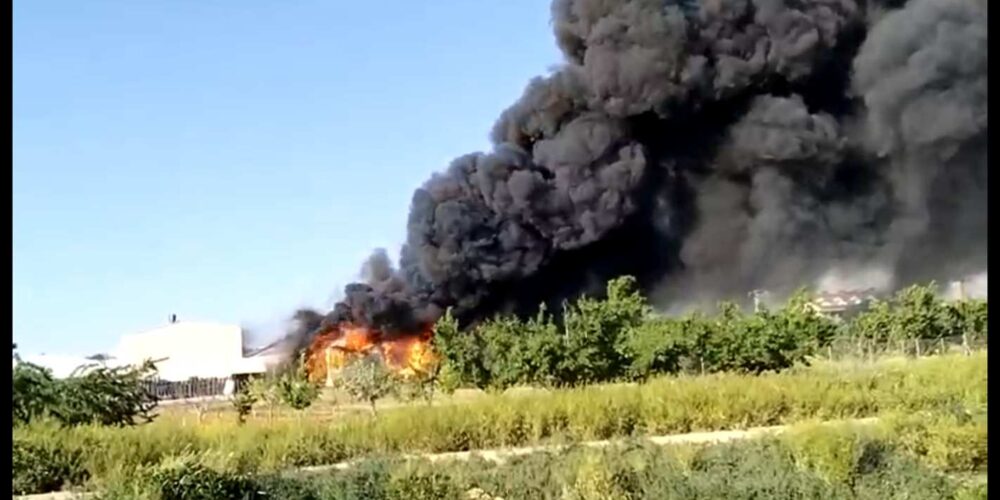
(916, 342)
(965, 343)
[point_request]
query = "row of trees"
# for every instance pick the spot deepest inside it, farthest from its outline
(619, 338)
(93, 394)
(918, 313)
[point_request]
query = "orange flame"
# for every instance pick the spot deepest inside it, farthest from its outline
(408, 355)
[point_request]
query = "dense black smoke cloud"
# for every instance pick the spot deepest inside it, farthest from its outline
(708, 148)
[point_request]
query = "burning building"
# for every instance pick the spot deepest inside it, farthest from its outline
(705, 148)
(408, 355)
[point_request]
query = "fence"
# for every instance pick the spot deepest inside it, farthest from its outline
(167, 390)
(847, 347)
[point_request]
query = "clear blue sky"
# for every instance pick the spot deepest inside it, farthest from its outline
(232, 160)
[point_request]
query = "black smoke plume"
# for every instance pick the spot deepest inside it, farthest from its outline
(708, 148)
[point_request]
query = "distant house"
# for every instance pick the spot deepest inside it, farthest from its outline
(842, 303)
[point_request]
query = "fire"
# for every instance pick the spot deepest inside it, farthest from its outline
(407, 355)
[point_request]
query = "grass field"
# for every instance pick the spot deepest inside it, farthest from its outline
(950, 386)
(809, 462)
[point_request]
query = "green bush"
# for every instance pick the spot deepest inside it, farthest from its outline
(35, 392)
(243, 402)
(107, 396)
(101, 395)
(949, 441)
(39, 466)
(187, 479)
(295, 389)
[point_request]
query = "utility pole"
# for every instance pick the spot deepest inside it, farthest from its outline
(756, 295)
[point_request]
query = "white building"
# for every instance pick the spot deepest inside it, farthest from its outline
(189, 349)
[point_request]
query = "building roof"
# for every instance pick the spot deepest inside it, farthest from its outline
(840, 300)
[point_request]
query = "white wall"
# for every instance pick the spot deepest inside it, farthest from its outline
(192, 349)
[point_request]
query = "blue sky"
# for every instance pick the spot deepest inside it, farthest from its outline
(231, 161)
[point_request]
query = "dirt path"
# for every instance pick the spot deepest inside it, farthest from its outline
(500, 455)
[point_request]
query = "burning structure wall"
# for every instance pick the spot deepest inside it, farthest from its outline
(707, 148)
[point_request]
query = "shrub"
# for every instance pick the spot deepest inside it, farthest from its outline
(43, 466)
(265, 390)
(35, 392)
(295, 389)
(188, 479)
(243, 401)
(101, 395)
(107, 396)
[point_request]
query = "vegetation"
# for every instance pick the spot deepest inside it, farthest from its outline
(93, 394)
(243, 402)
(663, 405)
(295, 389)
(367, 380)
(917, 313)
(699, 372)
(840, 462)
(290, 387)
(618, 338)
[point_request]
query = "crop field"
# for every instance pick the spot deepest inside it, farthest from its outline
(932, 413)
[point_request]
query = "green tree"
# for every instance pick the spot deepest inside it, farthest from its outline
(265, 390)
(461, 352)
(971, 317)
(114, 396)
(875, 324)
(918, 314)
(416, 388)
(243, 401)
(503, 354)
(36, 392)
(366, 379)
(295, 389)
(596, 329)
